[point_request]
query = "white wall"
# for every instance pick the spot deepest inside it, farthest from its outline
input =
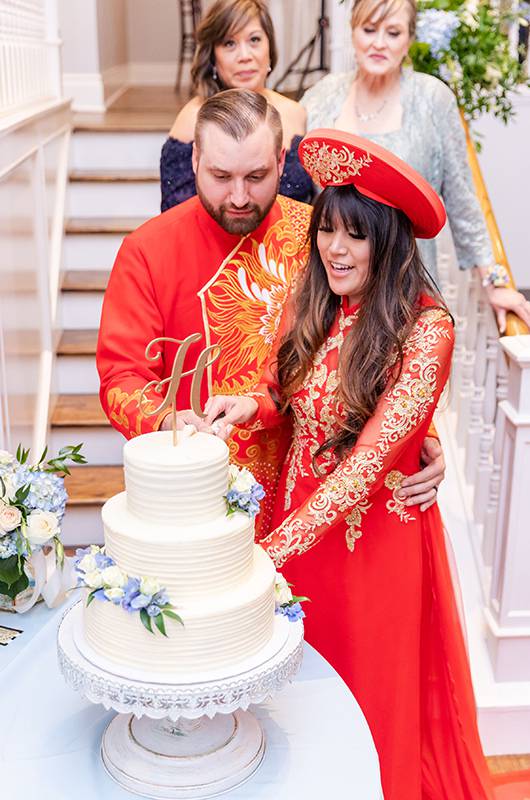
(505, 165)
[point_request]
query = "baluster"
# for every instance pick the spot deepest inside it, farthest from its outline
(490, 518)
(475, 427)
(484, 469)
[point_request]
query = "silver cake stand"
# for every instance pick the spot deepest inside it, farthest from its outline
(187, 740)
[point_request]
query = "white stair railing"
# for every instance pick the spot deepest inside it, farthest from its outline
(29, 53)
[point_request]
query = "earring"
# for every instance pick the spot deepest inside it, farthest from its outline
(214, 72)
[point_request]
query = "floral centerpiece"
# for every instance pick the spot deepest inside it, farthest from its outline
(464, 43)
(32, 504)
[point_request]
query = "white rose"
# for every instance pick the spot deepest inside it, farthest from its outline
(42, 526)
(10, 517)
(282, 591)
(6, 458)
(10, 488)
(93, 579)
(233, 472)
(114, 594)
(149, 586)
(113, 577)
(94, 549)
(244, 481)
(88, 563)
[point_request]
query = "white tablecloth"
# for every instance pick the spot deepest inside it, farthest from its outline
(318, 743)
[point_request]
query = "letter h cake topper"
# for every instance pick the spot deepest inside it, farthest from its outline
(206, 358)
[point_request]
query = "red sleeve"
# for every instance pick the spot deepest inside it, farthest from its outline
(405, 406)
(130, 320)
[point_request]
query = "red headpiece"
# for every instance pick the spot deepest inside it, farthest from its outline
(336, 158)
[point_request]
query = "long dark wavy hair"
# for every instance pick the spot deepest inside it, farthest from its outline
(373, 348)
(226, 17)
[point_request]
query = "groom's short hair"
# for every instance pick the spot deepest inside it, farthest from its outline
(238, 112)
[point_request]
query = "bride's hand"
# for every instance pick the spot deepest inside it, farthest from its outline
(235, 410)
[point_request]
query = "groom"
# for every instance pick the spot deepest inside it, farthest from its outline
(220, 264)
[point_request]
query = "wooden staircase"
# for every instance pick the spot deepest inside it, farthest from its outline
(113, 188)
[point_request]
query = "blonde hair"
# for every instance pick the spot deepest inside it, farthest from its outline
(226, 17)
(238, 112)
(377, 10)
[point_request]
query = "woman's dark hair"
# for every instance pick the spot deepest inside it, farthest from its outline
(372, 352)
(226, 17)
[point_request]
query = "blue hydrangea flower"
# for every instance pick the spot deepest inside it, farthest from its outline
(8, 546)
(161, 598)
(130, 590)
(294, 612)
(140, 601)
(436, 28)
(153, 610)
(47, 492)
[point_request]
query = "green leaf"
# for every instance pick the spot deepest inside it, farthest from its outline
(91, 597)
(12, 589)
(19, 453)
(59, 552)
(11, 569)
(171, 614)
(43, 456)
(146, 620)
(159, 622)
(4, 490)
(300, 599)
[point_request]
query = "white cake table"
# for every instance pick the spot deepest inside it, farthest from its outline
(318, 742)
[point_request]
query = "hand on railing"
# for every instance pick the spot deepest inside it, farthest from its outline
(505, 299)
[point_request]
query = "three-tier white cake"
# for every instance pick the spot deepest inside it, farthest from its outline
(171, 524)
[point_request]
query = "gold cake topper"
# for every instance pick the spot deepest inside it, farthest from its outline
(206, 358)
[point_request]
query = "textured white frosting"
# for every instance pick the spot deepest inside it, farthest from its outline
(191, 561)
(217, 631)
(182, 485)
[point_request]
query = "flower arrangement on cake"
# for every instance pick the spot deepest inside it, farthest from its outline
(105, 581)
(32, 504)
(244, 492)
(287, 604)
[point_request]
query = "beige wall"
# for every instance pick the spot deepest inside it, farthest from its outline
(152, 30)
(79, 34)
(112, 33)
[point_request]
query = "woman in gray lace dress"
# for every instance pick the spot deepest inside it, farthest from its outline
(416, 116)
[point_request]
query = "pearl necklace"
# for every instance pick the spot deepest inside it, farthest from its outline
(373, 115)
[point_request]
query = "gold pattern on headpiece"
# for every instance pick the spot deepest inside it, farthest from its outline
(328, 164)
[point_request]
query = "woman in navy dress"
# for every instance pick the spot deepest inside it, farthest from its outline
(236, 48)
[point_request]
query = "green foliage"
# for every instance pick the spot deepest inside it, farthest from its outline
(69, 453)
(13, 579)
(159, 622)
(478, 65)
(146, 620)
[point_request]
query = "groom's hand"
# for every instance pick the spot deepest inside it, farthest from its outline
(422, 487)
